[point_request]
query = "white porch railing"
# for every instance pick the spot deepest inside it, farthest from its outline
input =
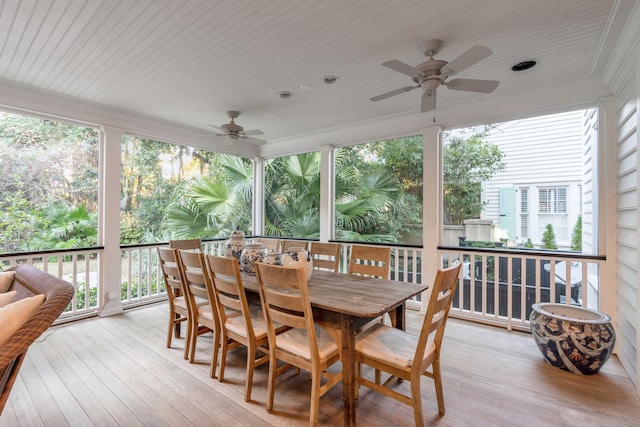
(496, 286)
(80, 267)
(499, 286)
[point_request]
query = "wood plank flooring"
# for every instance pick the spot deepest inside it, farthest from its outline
(116, 371)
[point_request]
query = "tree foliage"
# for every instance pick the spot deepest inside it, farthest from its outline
(48, 171)
(576, 236)
(49, 189)
(467, 161)
(549, 238)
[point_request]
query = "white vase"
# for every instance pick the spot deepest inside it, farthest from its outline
(252, 253)
(298, 257)
(235, 244)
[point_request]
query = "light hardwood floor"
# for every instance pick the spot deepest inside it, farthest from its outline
(117, 371)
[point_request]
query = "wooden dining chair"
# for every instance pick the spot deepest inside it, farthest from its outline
(371, 261)
(326, 256)
(406, 356)
(186, 244)
(249, 328)
(205, 316)
(271, 244)
(290, 244)
(178, 302)
(285, 301)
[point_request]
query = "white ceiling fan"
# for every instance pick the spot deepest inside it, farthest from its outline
(233, 132)
(434, 72)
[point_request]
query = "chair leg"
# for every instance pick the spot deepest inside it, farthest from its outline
(216, 347)
(176, 327)
(172, 316)
(194, 340)
(187, 342)
(223, 356)
(251, 361)
(316, 378)
(437, 379)
(273, 368)
(416, 398)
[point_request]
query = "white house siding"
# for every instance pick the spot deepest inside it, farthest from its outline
(543, 151)
(624, 75)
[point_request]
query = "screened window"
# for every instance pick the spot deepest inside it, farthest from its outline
(292, 196)
(48, 184)
(544, 158)
(170, 191)
(378, 189)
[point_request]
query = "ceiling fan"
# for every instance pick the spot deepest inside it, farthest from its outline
(434, 73)
(233, 131)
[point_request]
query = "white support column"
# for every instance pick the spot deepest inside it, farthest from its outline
(327, 193)
(109, 229)
(258, 197)
(432, 205)
(606, 209)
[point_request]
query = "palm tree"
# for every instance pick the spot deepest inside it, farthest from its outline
(212, 206)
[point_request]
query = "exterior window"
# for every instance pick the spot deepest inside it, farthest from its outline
(524, 211)
(552, 200)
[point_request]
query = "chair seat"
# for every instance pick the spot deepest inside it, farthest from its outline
(296, 341)
(180, 302)
(206, 312)
(389, 345)
(237, 324)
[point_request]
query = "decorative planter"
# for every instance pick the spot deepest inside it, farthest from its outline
(235, 244)
(573, 338)
(298, 257)
(252, 253)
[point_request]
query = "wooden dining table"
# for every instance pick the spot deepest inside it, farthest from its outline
(342, 304)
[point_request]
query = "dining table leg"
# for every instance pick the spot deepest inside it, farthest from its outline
(348, 359)
(343, 331)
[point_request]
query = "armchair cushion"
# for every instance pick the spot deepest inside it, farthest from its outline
(14, 315)
(6, 277)
(7, 298)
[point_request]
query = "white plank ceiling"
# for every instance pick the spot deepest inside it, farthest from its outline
(187, 61)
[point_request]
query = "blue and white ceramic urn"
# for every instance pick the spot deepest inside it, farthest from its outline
(235, 244)
(573, 338)
(252, 253)
(298, 257)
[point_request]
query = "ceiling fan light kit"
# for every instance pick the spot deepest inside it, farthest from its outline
(433, 73)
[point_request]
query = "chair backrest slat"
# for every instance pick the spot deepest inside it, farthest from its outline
(373, 261)
(326, 255)
(197, 278)
(285, 300)
(440, 301)
(186, 244)
(171, 272)
(229, 289)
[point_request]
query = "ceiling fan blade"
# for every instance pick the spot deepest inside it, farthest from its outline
(218, 128)
(403, 68)
(474, 55)
(473, 85)
(428, 101)
(254, 141)
(253, 132)
(392, 93)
